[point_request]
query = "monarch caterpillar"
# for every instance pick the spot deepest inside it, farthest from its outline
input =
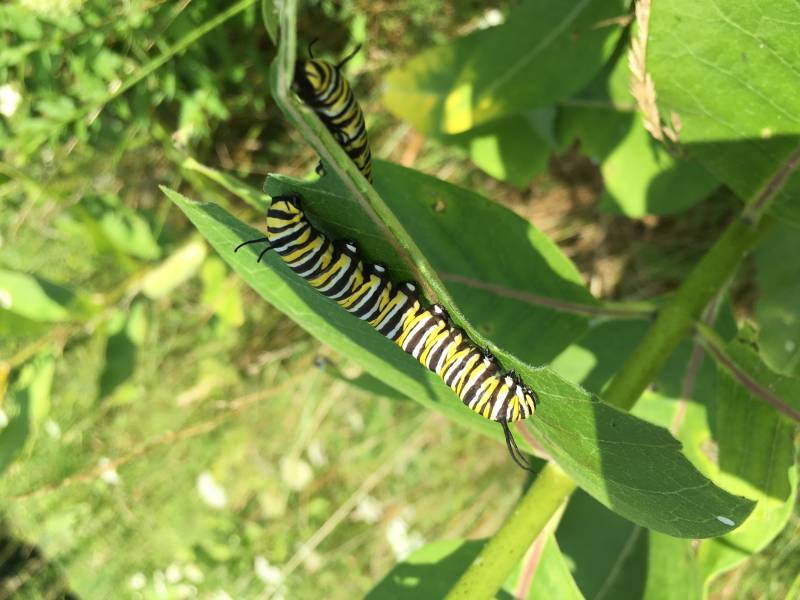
(321, 85)
(336, 270)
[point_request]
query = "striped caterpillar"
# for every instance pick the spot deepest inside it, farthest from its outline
(336, 270)
(324, 89)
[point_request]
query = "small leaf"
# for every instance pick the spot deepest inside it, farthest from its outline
(26, 407)
(181, 266)
(126, 333)
(38, 299)
(269, 14)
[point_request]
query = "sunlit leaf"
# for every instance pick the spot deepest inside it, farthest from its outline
(726, 73)
(544, 51)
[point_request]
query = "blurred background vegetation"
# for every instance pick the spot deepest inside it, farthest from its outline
(184, 438)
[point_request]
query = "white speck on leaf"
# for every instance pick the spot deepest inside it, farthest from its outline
(3, 418)
(725, 521)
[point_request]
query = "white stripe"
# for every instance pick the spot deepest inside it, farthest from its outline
(498, 402)
(335, 280)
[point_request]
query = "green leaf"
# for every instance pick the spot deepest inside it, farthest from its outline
(269, 14)
(544, 51)
(672, 572)
(607, 552)
(26, 407)
(617, 458)
(728, 71)
(778, 305)
(509, 148)
(613, 558)
(431, 571)
(551, 576)
(126, 333)
(113, 226)
(756, 457)
(38, 299)
(181, 266)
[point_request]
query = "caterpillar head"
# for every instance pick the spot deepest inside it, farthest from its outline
(288, 203)
(310, 78)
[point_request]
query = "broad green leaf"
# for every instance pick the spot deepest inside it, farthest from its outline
(613, 558)
(778, 306)
(430, 572)
(727, 70)
(177, 269)
(26, 407)
(617, 458)
(607, 554)
(510, 148)
(125, 333)
(544, 51)
(37, 299)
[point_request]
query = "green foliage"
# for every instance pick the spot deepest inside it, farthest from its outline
(166, 433)
(727, 72)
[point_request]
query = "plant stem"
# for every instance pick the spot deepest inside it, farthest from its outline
(678, 317)
(491, 567)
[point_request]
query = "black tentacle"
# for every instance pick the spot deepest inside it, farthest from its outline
(256, 241)
(343, 62)
(516, 454)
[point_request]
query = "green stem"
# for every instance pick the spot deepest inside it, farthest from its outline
(678, 317)
(491, 567)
